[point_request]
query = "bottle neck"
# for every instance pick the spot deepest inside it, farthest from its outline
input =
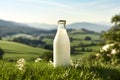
(61, 26)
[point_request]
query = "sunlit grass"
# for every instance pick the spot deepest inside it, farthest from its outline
(46, 71)
(16, 50)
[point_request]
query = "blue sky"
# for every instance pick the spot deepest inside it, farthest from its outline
(50, 11)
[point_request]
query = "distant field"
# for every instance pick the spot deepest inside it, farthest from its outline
(18, 35)
(81, 54)
(16, 50)
(82, 36)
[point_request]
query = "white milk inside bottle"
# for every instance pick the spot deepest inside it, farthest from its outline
(61, 46)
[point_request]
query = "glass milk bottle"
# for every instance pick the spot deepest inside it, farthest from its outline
(61, 46)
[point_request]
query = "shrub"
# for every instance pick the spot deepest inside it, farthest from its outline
(111, 51)
(47, 56)
(1, 53)
(87, 38)
(0, 37)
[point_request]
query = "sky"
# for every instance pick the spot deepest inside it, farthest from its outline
(50, 11)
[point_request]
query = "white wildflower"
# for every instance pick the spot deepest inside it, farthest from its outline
(21, 61)
(66, 74)
(21, 64)
(109, 55)
(50, 62)
(21, 69)
(111, 44)
(71, 62)
(97, 55)
(38, 60)
(114, 51)
(106, 47)
(76, 65)
(101, 50)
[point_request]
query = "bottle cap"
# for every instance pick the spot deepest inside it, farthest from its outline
(62, 22)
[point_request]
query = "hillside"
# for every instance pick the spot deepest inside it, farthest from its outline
(79, 44)
(16, 50)
(78, 25)
(9, 28)
(88, 26)
(42, 26)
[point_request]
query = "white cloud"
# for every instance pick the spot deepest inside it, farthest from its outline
(45, 3)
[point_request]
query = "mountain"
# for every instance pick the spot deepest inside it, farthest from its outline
(79, 25)
(9, 27)
(89, 26)
(43, 26)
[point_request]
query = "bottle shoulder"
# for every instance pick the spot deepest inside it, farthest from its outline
(61, 32)
(62, 37)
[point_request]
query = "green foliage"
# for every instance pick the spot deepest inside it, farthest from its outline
(31, 42)
(111, 54)
(113, 35)
(87, 38)
(111, 51)
(0, 37)
(47, 56)
(1, 53)
(116, 19)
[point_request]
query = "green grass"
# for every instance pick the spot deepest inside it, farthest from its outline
(46, 71)
(78, 42)
(15, 50)
(93, 48)
(82, 36)
(82, 55)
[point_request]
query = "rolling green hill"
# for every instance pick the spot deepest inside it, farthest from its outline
(10, 28)
(16, 50)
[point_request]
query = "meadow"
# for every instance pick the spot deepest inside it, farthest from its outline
(83, 70)
(14, 51)
(80, 47)
(82, 66)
